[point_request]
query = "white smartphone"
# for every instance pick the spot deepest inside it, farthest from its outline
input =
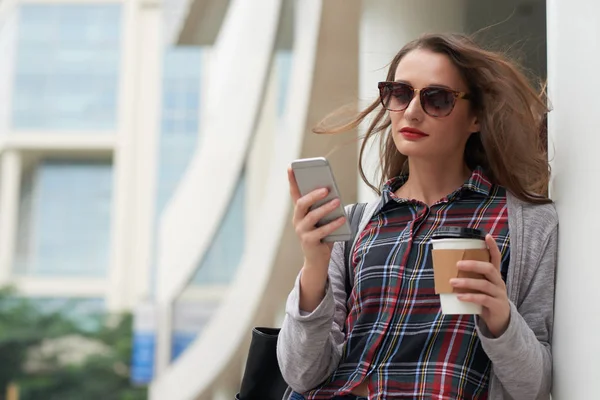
(315, 173)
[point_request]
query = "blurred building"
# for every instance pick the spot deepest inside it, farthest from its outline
(98, 120)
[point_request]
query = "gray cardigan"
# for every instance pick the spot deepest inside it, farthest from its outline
(310, 345)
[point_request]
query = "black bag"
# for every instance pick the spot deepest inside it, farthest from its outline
(262, 378)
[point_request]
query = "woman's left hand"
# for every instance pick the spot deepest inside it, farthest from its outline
(492, 294)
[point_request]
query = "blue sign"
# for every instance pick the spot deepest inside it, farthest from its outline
(144, 344)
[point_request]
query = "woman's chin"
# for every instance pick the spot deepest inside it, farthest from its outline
(412, 149)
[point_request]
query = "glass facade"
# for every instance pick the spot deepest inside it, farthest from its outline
(65, 219)
(283, 68)
(179, 133)
(222, 258)
(189, 317)
(180, 117)
(67, 67)
(83, 311)
(179, 139)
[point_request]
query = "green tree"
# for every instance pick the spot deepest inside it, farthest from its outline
(26, 334)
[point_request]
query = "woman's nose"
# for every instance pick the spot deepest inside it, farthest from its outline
(414, 111)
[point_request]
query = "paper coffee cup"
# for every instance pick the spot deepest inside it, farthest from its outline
(451, 245)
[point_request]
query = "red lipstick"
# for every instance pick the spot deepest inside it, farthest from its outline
(412, 133)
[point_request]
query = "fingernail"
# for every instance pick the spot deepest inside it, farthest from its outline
(454, 282)
(323, 192)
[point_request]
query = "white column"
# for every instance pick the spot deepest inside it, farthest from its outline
(164, 338)
(386, 26)
(146, 132)
(8, 41)
(573, 32)
(10, 181)
(135, 153)
(123, 160)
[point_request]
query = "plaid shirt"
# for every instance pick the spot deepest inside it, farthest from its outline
(398, 338)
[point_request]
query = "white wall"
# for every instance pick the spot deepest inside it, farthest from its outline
(573, 65)
(386, 26)
(173, 15)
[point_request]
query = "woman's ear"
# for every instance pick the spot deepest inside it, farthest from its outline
(474, 127)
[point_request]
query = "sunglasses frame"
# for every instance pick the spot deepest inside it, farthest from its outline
(389, 85)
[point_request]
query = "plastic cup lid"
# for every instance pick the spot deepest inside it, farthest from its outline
(457, 232)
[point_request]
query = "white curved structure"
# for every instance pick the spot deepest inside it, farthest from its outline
(233, 103)
(229, 118)
(325, 60)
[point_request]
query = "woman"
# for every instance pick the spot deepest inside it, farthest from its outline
(460, 146)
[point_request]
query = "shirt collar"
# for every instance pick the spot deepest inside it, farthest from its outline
(477, 183)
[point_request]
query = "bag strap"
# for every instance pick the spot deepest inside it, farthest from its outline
(356, 214)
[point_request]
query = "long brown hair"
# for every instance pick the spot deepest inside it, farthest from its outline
(511, 113)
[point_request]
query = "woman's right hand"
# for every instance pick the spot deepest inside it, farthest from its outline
(316, 252)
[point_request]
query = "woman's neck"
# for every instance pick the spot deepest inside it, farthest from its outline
(429, 182)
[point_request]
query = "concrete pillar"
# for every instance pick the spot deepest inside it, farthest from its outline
(8, 46)
(124, 161)
(573, 33)
(147, 130)
(386, 26)
(10, 182)
(135, 154)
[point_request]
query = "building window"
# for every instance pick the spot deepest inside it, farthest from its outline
(180, 118)
(64, 219)
(283, 67)
(67, 67)
(85, 312)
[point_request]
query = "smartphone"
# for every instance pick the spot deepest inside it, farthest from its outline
(315, 173)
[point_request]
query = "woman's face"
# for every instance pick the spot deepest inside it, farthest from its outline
(444, 138)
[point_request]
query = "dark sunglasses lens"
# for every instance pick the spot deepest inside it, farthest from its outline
(396, 97)
(437, 102)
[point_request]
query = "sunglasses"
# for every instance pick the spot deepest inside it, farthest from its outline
(437, 102)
